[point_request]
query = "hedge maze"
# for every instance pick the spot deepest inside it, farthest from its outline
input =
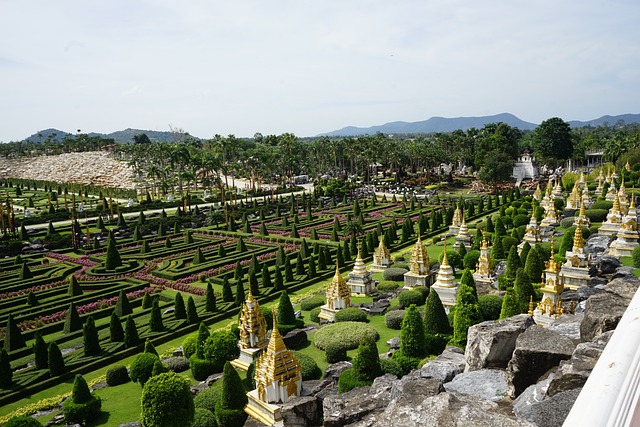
(118, 288)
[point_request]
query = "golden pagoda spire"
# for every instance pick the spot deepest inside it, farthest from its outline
(530, 312)
(578, 241)
(276, 343)
(445, 260)
(485, 244)
(583, 210)
(616, 204)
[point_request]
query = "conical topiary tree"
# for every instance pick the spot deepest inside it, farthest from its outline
(468, 280)
(72, 322)
(366, 363)
(150, 348)
(192, 312)
(278, 282)
(147, 300)
(523, 290)
(497, 250)
(6, 374)
(467, 313)
(286, 314)
(524, 253)
(40, 352)
(13, 338)
(510, 306)
(227, 294)
(82, 406)
(534, 266)
(435, 317)
(179, 311)
(55, 361)
(155, 319)
(90, 338)
(74, 287)
(266, 277)
(412, 342)
(198, 257)
(253, 283)
(513, 263)
(203, 334)
(25, 272)
(288, 271)
(229, 407)
(241, 247)
(240, 296)
(112, 256)
(210, 299)
(131, 338)
(123, 307)
(239, 271)
(116, 333)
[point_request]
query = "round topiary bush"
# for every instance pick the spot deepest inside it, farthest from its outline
(410, 296)
(308, 366)
(601, 205)
(117, 375)
(520, 219)
(387, 286)
(313, 302)
(22, 421)
(351, 314)
(203, 418)
(189, 345)
(346, 334)
(393, 319)
(201, 368)
(177, 364)
(507, 243)
(490, 306)
(394, 274)
(167, 401)
(335, 352)
(142, 367)
(207, 399)
(471, 259)
(221, 346)
(314, 315)
(597, 215)
(567, 222)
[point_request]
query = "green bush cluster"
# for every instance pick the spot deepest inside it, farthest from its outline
(351, 314)
(142, 367)
(410, 296)
(201, 368)
(313, 302)
(394, 274)
(490, 306)
(393, 319)
(308, 366)
(22, 421)
(82, 406)
(117, 375)
(346, 334)
(167, 401)
(387, 286)
(314, 315)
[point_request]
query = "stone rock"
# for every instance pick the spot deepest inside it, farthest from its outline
(131, 424)
(333, 371)
(416, 385)
(573, 373)
(295, 339)
(446, 366)
(533, 394)
(178, 352)
(551, 412)
(301, 412)
(603, 311)
(568, 325)
(500, 268)
(490, 344)
(608, 264)
(394, 343)
(353, 406)
(489, 384)
(444, 410)
(597, 245)
(622, 273)
(537, 350)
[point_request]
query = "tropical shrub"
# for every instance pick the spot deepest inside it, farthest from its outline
(117, 375)
(167, 401)
(351, 314)
(393, 319)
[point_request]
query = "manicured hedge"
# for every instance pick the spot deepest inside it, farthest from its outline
(351, 314)
(393, 319)
(346, 334)
(394, 274)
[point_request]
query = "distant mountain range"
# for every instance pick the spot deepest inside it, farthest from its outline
(443, 124)
(434, 124)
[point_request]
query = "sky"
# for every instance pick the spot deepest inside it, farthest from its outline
(240, 67)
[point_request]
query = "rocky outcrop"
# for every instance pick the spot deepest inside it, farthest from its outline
(89, 168)
(603, 311)
(596, 246)
(608, 264)
(568, 325)
(301, 412)
(537, 350)
(414, 385)
(550, 412)
(490, 344)
(489, 384)
(446, 366)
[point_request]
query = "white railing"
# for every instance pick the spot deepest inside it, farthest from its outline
(611, 394)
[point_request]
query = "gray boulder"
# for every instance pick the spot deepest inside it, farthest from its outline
(537, 350)
(301, 412)
(533, 394)
(490, 344)
(500, 268)
(489, 384)
(603, 311)
(413, 384)
(550, 412)
(597, 245)
(573, 373)
(568, 325)
(608, 264)
(333, 371)
(444, 410)
(295, 338)
(446, 366)
(355, 405)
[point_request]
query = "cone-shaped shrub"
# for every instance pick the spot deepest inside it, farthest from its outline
(210, 299)
(131, 338)
(435, 317)
(167, 243)
(240, 296)
(467, 313)
(286, 314)
(253, 283)
(203, 334)
(221, 251)
(55, 361)
(513, 263)
(468, 280)
(198, 257)
(278, 283)
(366, 363)
(534, 266)
(123, 307)
(32, 300)
(288, 271)
(147, 300)
(179, 311)
(74, 287)
(240, 246)
(136, 234)
(510, 306)
(230, 404)
(312, 266)
(412, 342)
(497, 250)
(158, 368)
(192, 313)
(227, 294)
(266, 277)
(149, 347)
(280, 256)
(188, 238)
(523, 290)
(6, 374)
(524, 253)
(145, 248)
(72, 322)
(25, 272)
(155, 319)
(40, 352)
(121, 221)
(116, 333)
(90, 338)
(112, 256)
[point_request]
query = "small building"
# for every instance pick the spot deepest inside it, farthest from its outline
(446, 286)
(525, 167)
(253, 333)
(613, 222)
(551, 307)
(360, 280)
(419, 273)
(627, 236)
(483, 266)
(381, 257)
(463, 237)
(338, 297)
(575, 272)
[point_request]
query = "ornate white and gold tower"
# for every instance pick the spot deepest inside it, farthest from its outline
(338, 297)
(419, 273)
(611, 192)
(538, 193)
(627, 236)
(532, 233)
(445, 285)
(278, 378)
(574, 200)
(600, 188)
(547, 200)
(613, 221)
(550, 219)
(253, 333)
(551, 307)
(381, 257)
(557, 190)
(456, 221)
(463, 237)
(624, 200)
(575, 272)
(582, 217)
(483, 266)
(582, 182)
(360, 280)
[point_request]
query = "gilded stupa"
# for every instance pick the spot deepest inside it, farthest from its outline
(463, 237)
(575, 271)
(532, 233)
(338, 297)
(582, 217)
(278, 378)
(456, 221)
(600, 187)
(557, 190)
(611, 192)
(360, 281)
(537, 194)
(627, 236)
(574, 200)
(547, 200)
(624, 200)
(381, 257)
(613, 221)
(445, 285)
(551, 306)
(483, 266)
(419, 273)
(253, 333)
